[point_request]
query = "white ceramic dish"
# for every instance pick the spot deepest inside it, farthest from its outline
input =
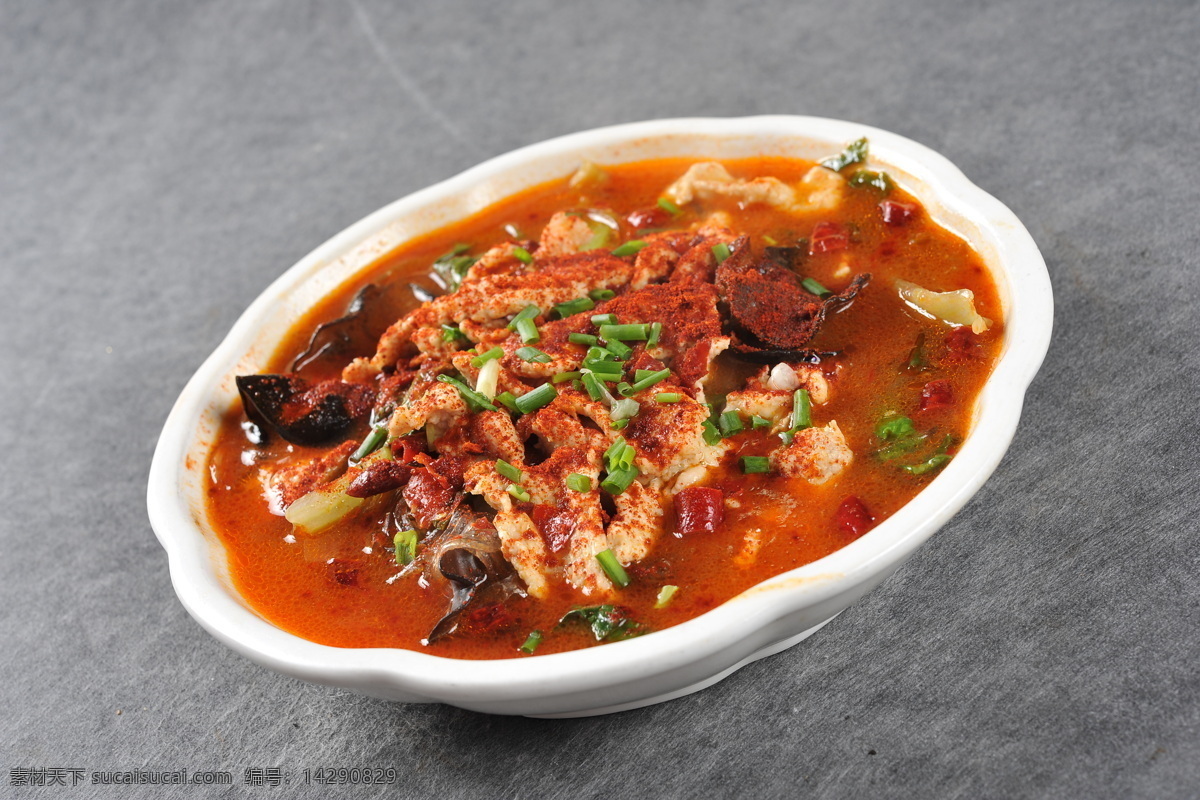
(765, 619)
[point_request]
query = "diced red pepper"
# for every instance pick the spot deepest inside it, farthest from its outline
(853, 518)
(961, 341)
(896, 213)
(935, 395)
(555, 525)
(699, 509)
(406, 448)
(648, 218)
(828, 237)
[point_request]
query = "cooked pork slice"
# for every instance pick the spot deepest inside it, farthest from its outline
(815, 454)
(431, 403)
(565, 234)
(637, 524)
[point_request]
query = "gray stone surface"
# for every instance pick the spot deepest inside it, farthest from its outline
(161, 163)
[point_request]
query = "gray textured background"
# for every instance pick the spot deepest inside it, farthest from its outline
(161, 163)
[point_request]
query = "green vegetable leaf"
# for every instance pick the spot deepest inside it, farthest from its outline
(855, 153)
(608, 623)
(875, 180)
(452, 267)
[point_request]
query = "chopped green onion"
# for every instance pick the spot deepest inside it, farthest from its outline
(625, 458)
(624, 389)
(711, 434)
(576, 306)
(669, 207)
(770, 240)
(528, 312)
(759, 422)
(563, 377)
(655, 332)
(755, 464)
(619, 349)
(528, 331)
(801, 410)
(604, 319)
(601, 236)
(481, 359)
(721, 251)
(730, 423)
(452, 333)
(583, 338)
(668, 397)
(651, 379)
(624, 408)
(629, 248)
(579, 483)
(596, 389)
(406, 547)
(520, 493)
(612, 567)
(533, 400)
(787, 437)
(373, 442)
(472, 398)
(600, 295)
(813, 286)
(508, 400)
(509, 471)
(531, 642)
(854, 153)
(927, 466)
(532, 354)
(621, 333)
(665, 595)
(619, 480)
(614, 450)
(642, 373)
(618, 424)
(451, 268)
(522, 255)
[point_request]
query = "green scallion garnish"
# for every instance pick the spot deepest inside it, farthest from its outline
(801, 410)
(528, 331)
(600, 295)
(624, 408)
(481, 359)
(508, 400)
(536, 398)
(583, 338)
(472, 398)
(596, 388)
(665, 595)
(579, 483)
(655, 332)
(755, 464)
(373, 442)
(533, 355)
(624, 333)
(651, 379)
(520, 493)
(619, 349)
(604, 319)
(563, 377)
(452, 333)
(576, 306)
(668, 397)
(813, 286)
(528, 312)
(759, 423)
(730, 423)
(632, 247)
(711, 435)
(618, 424)
(669, 207)
(721, 251)
(616, 573)
(509, 471)
(618, 480)
(522, 255)
(531, 642)
(406, 547)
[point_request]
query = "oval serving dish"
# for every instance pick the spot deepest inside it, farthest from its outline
(670, 663)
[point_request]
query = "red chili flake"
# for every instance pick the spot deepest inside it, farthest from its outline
(896, 213)
(853, 518)
(555, 525)
(935, 395)
(961, 341)
(648, 218)
(699, 509)
(828, 237)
